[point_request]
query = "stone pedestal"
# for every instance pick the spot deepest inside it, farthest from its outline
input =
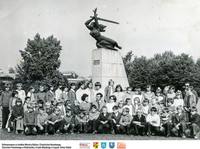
(106, 65)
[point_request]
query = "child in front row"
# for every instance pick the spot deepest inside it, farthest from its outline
(125, 122)
(194, 125)
(166, 122)
(138, 124)
(55, 122)
(92, 117)
(103, 125)
(30, 121)
(42, 121)
(15, 120)
(81, 122)
(153, 122)
(18, 115)
(179, 122)
(115, 118)
(69, 121)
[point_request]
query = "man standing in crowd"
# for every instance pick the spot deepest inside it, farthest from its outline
(80, 92)
(190, 101)
(98, 89)
(50, 95)
(58, 93)
(90, 92)
(99, 103)
(40, 96)
(4, 104)
(109, 90)
(72, 97)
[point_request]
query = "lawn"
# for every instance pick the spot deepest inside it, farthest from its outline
(11, 136)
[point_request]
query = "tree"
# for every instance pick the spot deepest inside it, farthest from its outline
(40, 61)
(163, 69)
(11, 70)
(139, 75)
(127, 61)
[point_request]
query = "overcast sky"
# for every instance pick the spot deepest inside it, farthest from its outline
(146, 27)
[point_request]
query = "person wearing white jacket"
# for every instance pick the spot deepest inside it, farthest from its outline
(21, 92)
(153, 122)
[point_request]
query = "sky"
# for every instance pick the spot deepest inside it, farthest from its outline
(146, 27)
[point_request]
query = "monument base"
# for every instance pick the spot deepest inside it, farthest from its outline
(108, 64)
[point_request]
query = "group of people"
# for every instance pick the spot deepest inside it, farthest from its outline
(92, 109)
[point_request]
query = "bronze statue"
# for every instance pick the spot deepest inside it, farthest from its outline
(95, 31)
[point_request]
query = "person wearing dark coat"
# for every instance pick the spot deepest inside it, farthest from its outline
(194, 125)
(81, 121)
(18, 115)
(55, 123)
(103, 123)
(92, 119)
(30, 121)
(71, 96)
(114, 120)
(179, 121)
(166, 122)
(69, 121)
(138, 124)
(40, 96)
(50, 95)
(189, 102)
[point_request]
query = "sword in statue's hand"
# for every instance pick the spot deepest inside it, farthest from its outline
(102, 19)
(106, 20)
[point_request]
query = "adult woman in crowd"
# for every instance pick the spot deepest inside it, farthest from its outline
(119, 94)
(31, 93)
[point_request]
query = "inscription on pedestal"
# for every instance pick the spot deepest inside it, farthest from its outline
(96, 62)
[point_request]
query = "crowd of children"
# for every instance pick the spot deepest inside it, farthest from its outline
(88, 109)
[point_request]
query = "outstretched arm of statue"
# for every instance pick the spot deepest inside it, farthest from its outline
(95, 17)
(87, 23)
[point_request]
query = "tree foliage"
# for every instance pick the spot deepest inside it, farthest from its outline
(40, 61)
(163, 69)
(11, 70)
